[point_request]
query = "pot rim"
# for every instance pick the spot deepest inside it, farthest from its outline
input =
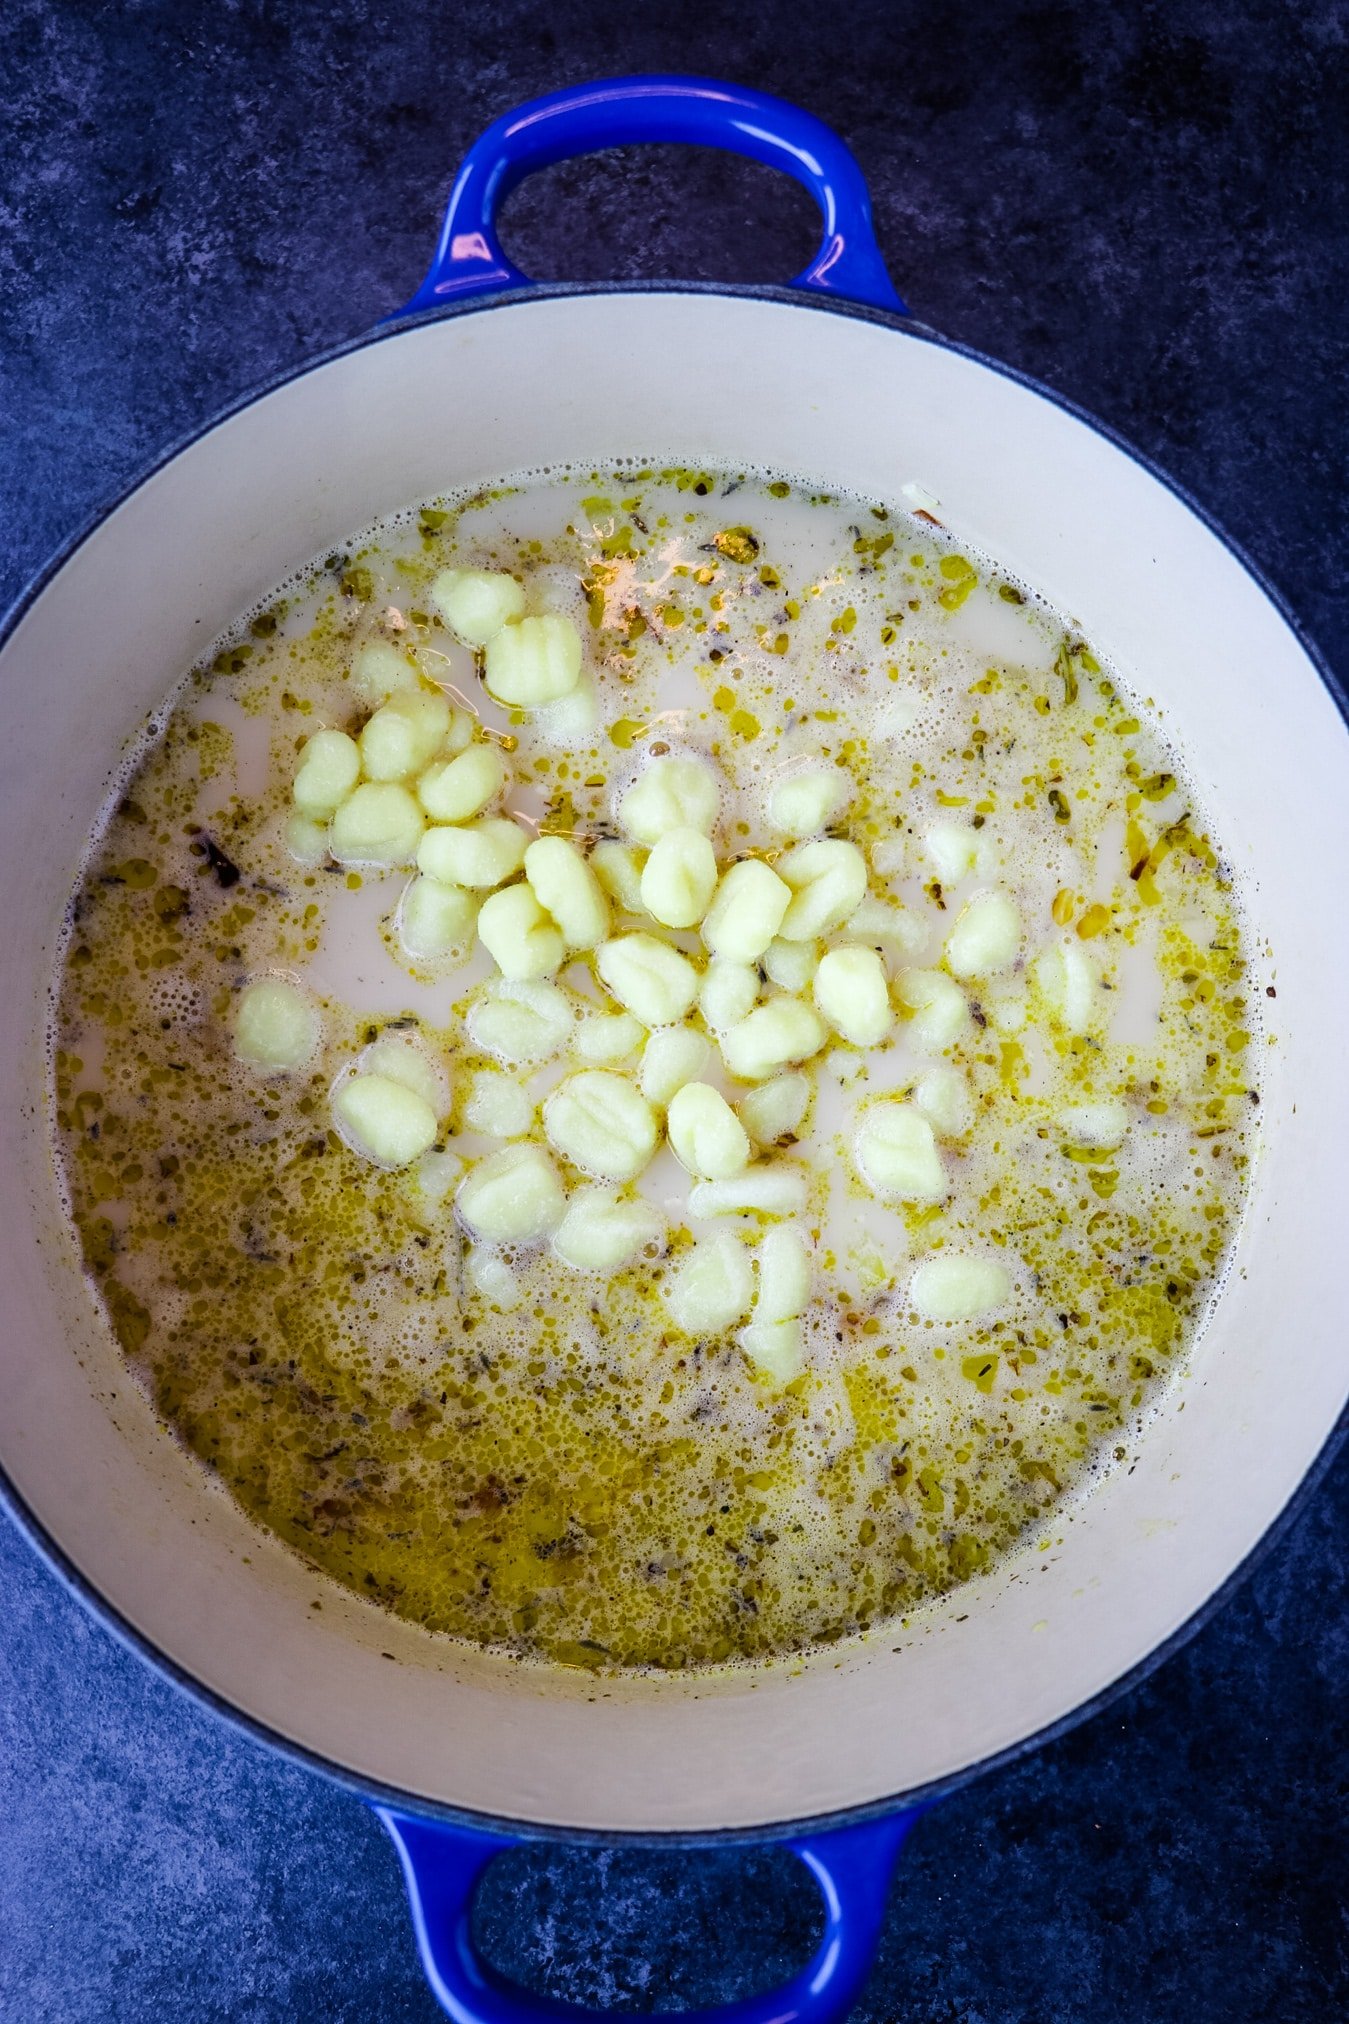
(76, 1584)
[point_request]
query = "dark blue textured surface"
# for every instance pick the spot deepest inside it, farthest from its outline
(1147, 209)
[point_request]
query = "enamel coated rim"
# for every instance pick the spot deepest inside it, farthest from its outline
(27, 1521)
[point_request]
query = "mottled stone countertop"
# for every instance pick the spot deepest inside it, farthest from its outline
(1143, 206)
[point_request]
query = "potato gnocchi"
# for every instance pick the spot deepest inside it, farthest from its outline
(653, 1065)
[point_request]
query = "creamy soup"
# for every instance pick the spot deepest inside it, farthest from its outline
(651, 1065)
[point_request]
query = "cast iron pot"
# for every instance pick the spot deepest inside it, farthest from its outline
(482, 374)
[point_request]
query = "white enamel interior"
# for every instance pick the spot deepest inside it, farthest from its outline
(730, 381)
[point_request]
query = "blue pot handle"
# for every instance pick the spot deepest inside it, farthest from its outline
(443, 1865)
(614, 111)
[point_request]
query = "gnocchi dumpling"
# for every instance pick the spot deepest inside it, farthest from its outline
(515, 1196)
(775, 1348)
(883, 925)
(784, 1274)
(776, 1109)
(523, 941)
(405, 1061)
(750, 903)
(604, 1230)
(497, 1106)
(531, 662)
(384, 1119)
(673, 1055)
(378, 823)
(939, 1013)
(568, 890)
(379, 668)
(462, 787)
(671, 792)
(852, 992)
(707, 1136)
(791, 965)
(306, 838)
(953, 850)
(987, 937)
(828, 881)
(476, 603)
(782, 1031)
(602, 1123)
(435, 920)
(711, 1286)
(484, 853)
(942, 1094)
(404, 734)
(1066, 976)
(897, 1156)
(521, 1022)
(649, 978)
(619, 867)
(330, 766)
(604, 1038)
(437, 1174)
(959, 1287)
(276, 1025)
(765, 1188)
(806, 801)
(679, 878)
(727, 993)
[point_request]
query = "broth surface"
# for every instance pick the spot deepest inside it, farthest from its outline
(573, 1477)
